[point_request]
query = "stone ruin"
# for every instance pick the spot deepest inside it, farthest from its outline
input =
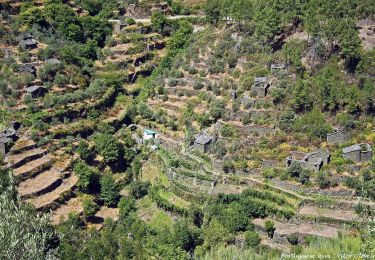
(338, 136)
(27, 41)
(204, 142)
(261, 86)
(358, 153)
(313, 161)
(7, 137)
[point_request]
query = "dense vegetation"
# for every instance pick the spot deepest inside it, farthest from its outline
(187, 204)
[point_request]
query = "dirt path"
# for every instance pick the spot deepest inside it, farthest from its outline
(175, 17)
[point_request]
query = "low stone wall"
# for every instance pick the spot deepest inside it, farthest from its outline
(345, 193)
(173, 176)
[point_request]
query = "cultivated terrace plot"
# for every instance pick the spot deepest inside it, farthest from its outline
(186, 129)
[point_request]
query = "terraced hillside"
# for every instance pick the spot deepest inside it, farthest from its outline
(183, 129)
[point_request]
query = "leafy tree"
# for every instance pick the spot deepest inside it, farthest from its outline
(109, 190)
(302, 101)
(33, 15)
(73, 32)
(286, 120)
(313, 123)
(108, 147)
(86, 152)
(196, 214)
(24, 233)
(126, 205)
(158, 21)
(278, 95)
(323, 180)
(217, 109)
(95, 28)
(295, 170)
(61, 80)
(184, 236)
(213, 11)
(89, 206)
(60, 15)
(270, 227)
(139, 189)
(87, 177)
(215, 233)
(292, 51)
(234, 219)
(293, 239)
(92, 6)
(180, 38)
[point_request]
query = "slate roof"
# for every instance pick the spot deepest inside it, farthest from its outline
(27, 68)
(352, 148)
(203, 139)
(31, 89)
(8, 132)
(29, 42)
(5, 140)
(149, 132)
(260, 81)
(24, 36)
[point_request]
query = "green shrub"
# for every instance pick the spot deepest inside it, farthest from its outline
(109, 190)
(293, 239)
(252, 239)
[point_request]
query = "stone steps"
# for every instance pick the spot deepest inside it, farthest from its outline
(17, 160)
(313, 214)
(41, 184)
(269, 243)
(284, 230)
(22, 145)
(51, 199)
(32, 168)
(61, 213)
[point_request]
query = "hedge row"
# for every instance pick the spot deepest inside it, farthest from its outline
(165, 204)
(194, 175)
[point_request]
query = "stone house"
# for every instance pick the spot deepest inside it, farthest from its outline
(36, 91)
(203, 143)
(358, 152)
(4, 145)
(261, 86)
(27, 68)
(118, 25)
(9, 133)
(8, 136)
(26, 41)
(29, 44)
(338, 136)
(313, 161)
(149, 135)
